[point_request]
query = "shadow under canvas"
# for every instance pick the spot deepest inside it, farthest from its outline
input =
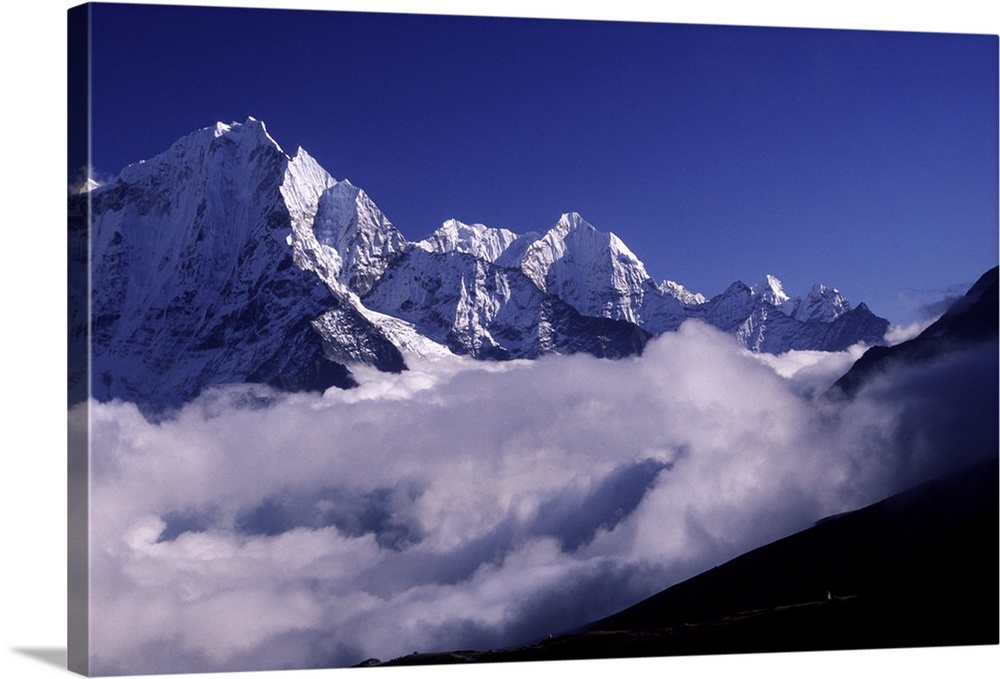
(49, 656)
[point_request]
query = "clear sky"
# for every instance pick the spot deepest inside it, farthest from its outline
(866, 160)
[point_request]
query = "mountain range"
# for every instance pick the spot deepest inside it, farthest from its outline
(226, 260)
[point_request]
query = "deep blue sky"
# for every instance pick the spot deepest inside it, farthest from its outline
(862, 159)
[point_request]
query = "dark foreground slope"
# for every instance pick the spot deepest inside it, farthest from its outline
(970, 322)
(917, 569)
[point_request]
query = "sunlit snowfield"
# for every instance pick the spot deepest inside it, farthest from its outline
(466, 504)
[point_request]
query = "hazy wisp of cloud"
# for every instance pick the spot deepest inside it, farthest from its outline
(929, 304)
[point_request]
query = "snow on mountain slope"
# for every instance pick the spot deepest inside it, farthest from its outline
(453, 298)
(765, 319)
(494, 293)
(771, 291)
(196, 282)
(478, 240)
(681, 293)
(822, 304)
(479, 309)
(462, 301)
(348, 222)
(593, 271)
(769, 330)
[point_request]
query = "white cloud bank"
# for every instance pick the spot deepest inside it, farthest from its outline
(463, 504)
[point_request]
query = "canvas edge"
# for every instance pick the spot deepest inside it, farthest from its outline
(78, 348)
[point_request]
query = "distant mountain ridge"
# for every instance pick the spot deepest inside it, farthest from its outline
(224, 259)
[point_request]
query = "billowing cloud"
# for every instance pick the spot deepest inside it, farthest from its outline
(810, 373)
(463, 504)
(897, 334)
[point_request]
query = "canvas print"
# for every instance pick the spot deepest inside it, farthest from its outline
(414, 339)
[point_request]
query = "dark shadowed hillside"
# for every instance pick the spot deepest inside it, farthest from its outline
(917, 569)
(970, 322)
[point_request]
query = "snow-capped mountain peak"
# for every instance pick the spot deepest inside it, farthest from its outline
(592, 270)
(348, 222)
(570, 221)
(207, 271)
(256, 129)
(478, 240)
(679, 292)
(771, 289)
(822, 304)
